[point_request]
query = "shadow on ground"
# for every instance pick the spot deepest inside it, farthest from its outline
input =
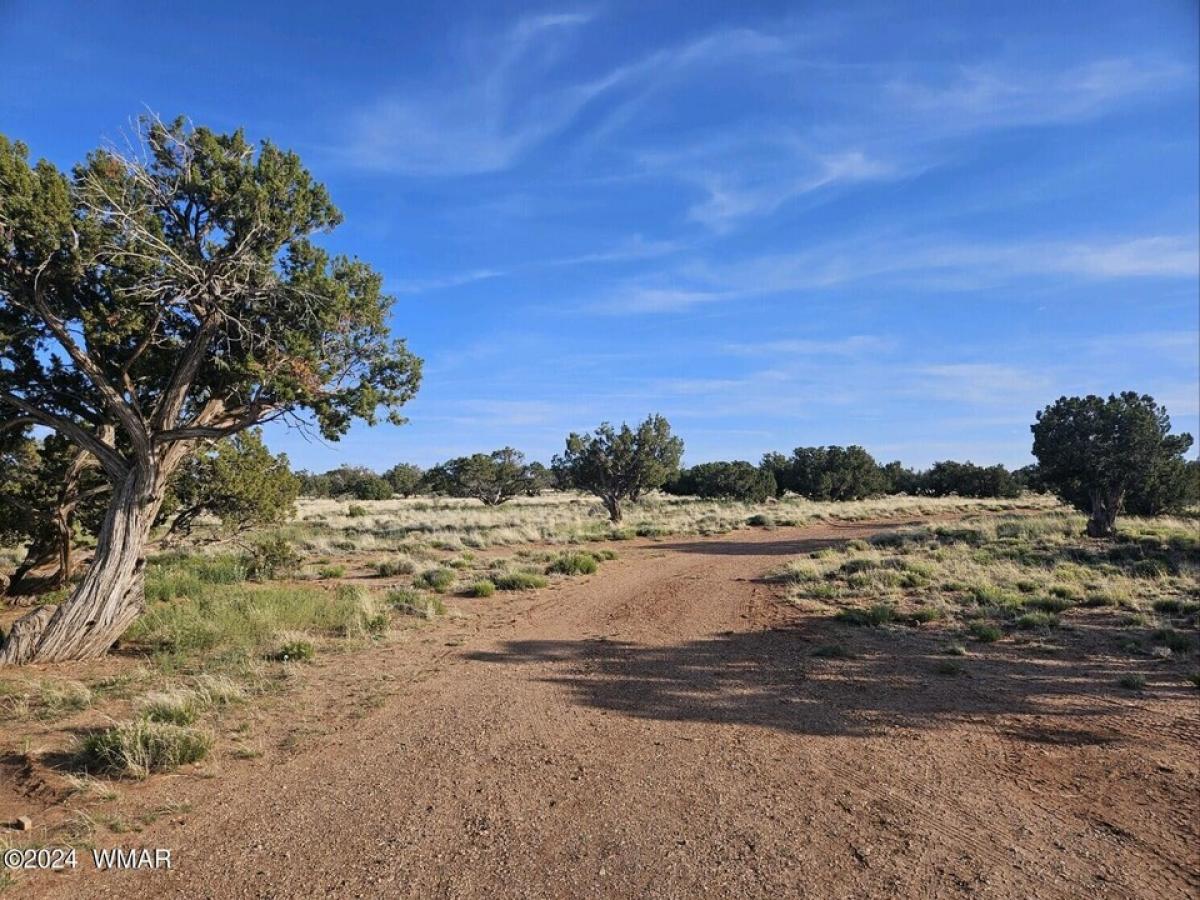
(783, 679)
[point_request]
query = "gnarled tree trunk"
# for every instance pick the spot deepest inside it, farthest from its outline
(110, 596)
(1105, 505)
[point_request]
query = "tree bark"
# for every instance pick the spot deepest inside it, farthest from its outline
(110, 595)
(613, 505)
(1104, 513)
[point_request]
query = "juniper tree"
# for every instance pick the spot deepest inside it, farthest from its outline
(492, 478)
(1095, 452)
(619, 465)
(167, 295)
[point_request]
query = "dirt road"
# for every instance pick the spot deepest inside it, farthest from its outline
(662, 729)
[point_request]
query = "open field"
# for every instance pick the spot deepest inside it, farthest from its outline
(947, 696)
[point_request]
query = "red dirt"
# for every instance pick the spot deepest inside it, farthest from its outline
(661, 729)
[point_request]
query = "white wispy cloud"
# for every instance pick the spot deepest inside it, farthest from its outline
(1000, 95)
(510, 97)
(731, 197)
(852, 345)
(887, 260)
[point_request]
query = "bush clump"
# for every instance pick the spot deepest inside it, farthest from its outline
(436, 579)
(877, 615)
(573, 564)
(985, 632)
(414, 603)
(519, 581)
(390, 567)
(293, 649)
(138, 748)
(484, 587)
(270, 558)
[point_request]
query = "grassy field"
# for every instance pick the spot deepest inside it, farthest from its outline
(421, 524)
(1019, 578)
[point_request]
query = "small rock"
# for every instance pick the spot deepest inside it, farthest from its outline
(23, 823)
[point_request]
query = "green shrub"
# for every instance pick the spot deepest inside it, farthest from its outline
(482, 588)
(356, 512)
(1051, 604)
(877, 615)
(1177, 641)
(414, 603)
(924, 614)
(1132, 682)
(605, 554)
(388, 568)
(171, 707)
(519, 581)
(1038, 619)
(985, 632)
(269, 558)
(140, 747)
(573, 564)
(293, 650)
(331, 572)
(435, 579)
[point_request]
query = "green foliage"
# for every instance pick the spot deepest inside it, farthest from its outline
(492, 478)
(414, 603)
(619, 465)
(573, 564)
(140, 747)
(1095, 453)
(724, 480)
(331, 572)
(985, 632)
(965, 479)
(519, 581)
(405, 478)
(875, 616)
(482, 588)
(293, 650)
(436, 579)
(239, 481)
(357, 482)
(271, 557)
(388, 568)
(833, 473)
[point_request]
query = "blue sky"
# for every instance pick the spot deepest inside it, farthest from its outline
(777, 224)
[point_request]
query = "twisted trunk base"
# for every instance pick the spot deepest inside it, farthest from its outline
(109, 597)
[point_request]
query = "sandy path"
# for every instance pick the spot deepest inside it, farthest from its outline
(661, 730)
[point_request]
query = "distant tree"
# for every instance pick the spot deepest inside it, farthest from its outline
(357, 482)
(405, 478)
(540, 479)
(238, 481)
(779, 467)
(965, 479)
(834, 473)
(313, 484)
(492, 478)
(619, 465)
(899, 479)
(724, 480)
(1095, 452)
(1030, 478)
(170, 296)
(50, 490)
